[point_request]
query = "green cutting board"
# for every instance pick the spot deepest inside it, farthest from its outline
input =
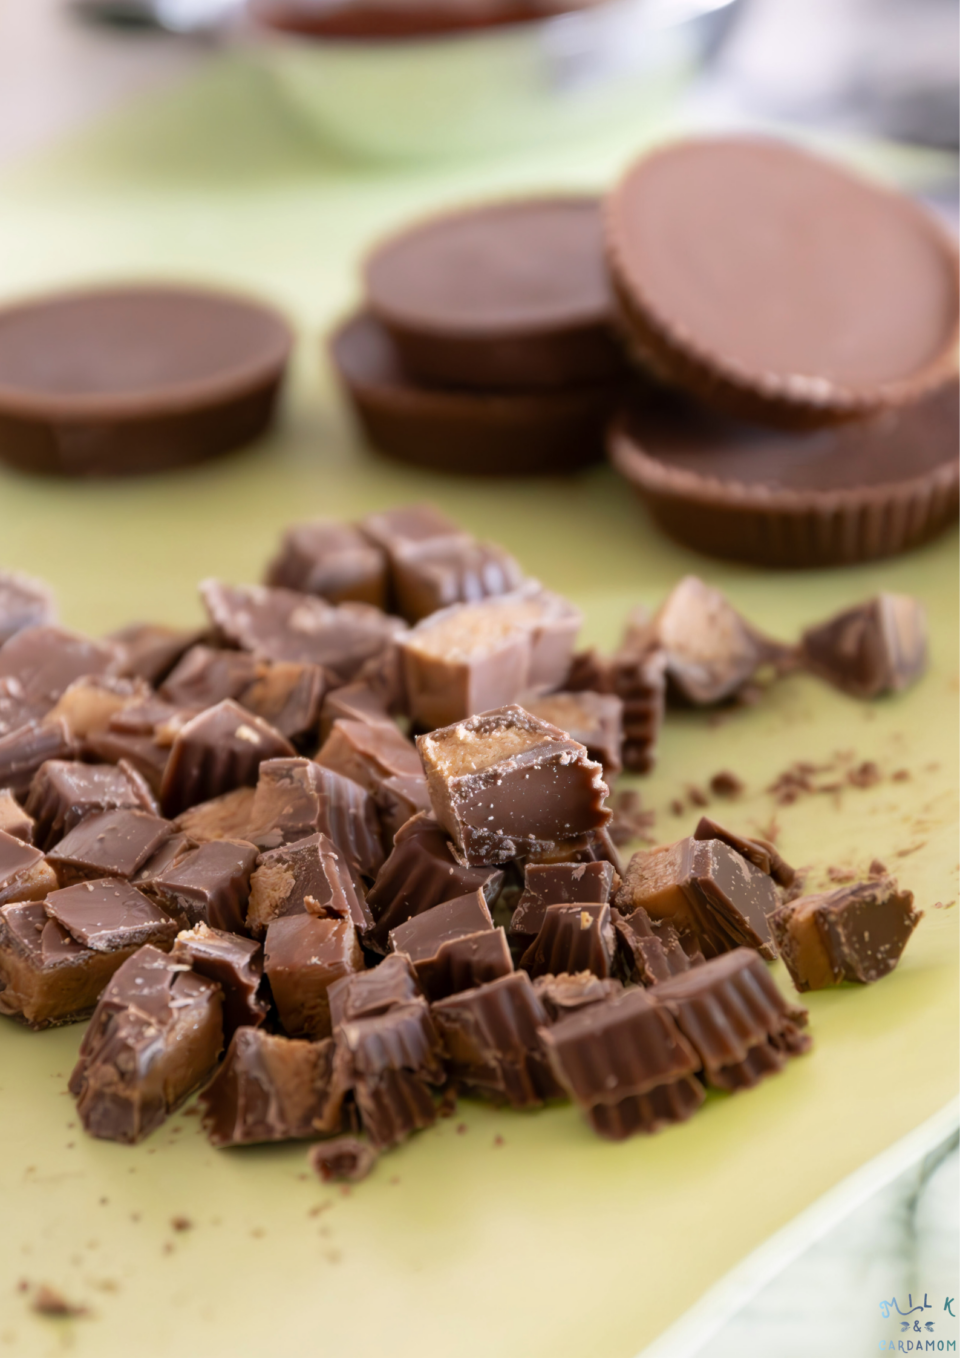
(522, 1235)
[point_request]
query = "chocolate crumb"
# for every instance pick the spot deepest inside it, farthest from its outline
(394, 1180)
(841, 874)
(877, 869)
(677, 807)
(866, 774)
(181, 1224)
(727, 784)
(498, 1140)
(630, 820)
(461, 1128)
(697, 797)
(23, 1285)
(447, 1105)
(48, 1302)
(900, 776)
(914, 848)
(168, 1248)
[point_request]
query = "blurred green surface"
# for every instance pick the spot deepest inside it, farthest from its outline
(553, 1244)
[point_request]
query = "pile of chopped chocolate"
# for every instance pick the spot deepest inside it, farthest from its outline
(346, 852)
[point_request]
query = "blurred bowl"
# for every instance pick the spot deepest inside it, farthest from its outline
(473, 90)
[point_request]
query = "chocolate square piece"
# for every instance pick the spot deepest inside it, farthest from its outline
(65, 792)
(594, 720)
(706, 889)
(365, 993)
(110, 914)
(272, 1088)
(208, 885)
(453, 946)
(392, 1059)
(154, 1037)
(45, 661)
(421, 872)
(109, 844)
(442, 573)
(204, 676)
(381, 760)
(334, 560)
(557, 883)
(141, 751)
(504, 783)
(25, 748)
(224, 817)
(649, 954)
(13, 819)
(409, 529)
(235, 963)
(492, 1037)
(92, 702)
(354, 702)
(573, 938)
(218, 750)
(760, 852)
(309, 877)
(297, 798)
(150, 650)
(567, 994)
(878, 647)
(24, 602)
(24, 874)
(857, 933)
(303, 956)
(288, 695)
(625, 1063)
(282, 624)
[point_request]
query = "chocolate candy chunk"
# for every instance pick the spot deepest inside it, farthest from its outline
(343, 1158)
(398, 798)
(225, 817)
(556, 883)
(594, 720)
(13, 819)
(24, 602)
(47, 977)
(110, 914)
(856, 933)
(169, 852)
(472, 657)
(23, 750)
(594, 847)
(609, 1055)
(705, 888)
(208, 885)
(763, 339)
(727, 1008)
(760, 852)
(272, 1088)
(572, 938)
(297, 798)
(365, 993)
(91, 703)
(154, 1037)
(281, 624)
(334, 560)
(637, 676)
(215, 752)
(204, 676)
(45, 661)
(303, 956)
(288, 695)
(235, 963)
(408, 529)
(354, 702)
(438, 575)
(421, 872)
(878, 647)
(492, 1037)
(648, 953)
(453, 946)
(392, 1059)
(566, 994)
(309, 877)
(24, 875)
(109, 844)
(383, 762)
(150, 650)
(503, 783)
(63, 793)
(142, 752)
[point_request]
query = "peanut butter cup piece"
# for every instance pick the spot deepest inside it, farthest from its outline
(778, 286)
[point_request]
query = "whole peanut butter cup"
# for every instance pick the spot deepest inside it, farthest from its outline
(777, 286)
(851, 492)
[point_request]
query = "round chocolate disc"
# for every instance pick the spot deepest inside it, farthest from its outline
(511, 295)
(498, 433)
(777, 286)
(851, 492)
(132, 379)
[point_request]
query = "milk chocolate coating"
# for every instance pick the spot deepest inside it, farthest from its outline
(272, 1088)
(63, 793)
(877, 647)
(343, 1158)
(204, 676)
(109, 844)
(857, 933)
(393, 1058)
(218, 750)
(308, 877)
(506, 295)
(296, 798)
(208, 885)
(24, 749)
(17, 859)
(503, 783)
(24, 602)
(303, 956)
(334, 560)
(594, 720)
(45, 661)
(648, 954)
(556, 883)
(132, 379)
(811, 296)
(478, 433)
(110, 914)
(493, 1041)
(154, 1037)
(288, 695)
(573, 938)
(142, 752)
(420, 936)
(235, 963)
(381, 760)
(760, 852)
(421, 872)
(863, 490)
(648, 1113)
(150, 651)
(410, 528)
(363, 994)
(566, 994)
(353, 702)
(451, 573)
(454, 946)
(728, 1007)
(282, 624)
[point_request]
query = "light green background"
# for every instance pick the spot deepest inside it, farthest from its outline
(554, 1243)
